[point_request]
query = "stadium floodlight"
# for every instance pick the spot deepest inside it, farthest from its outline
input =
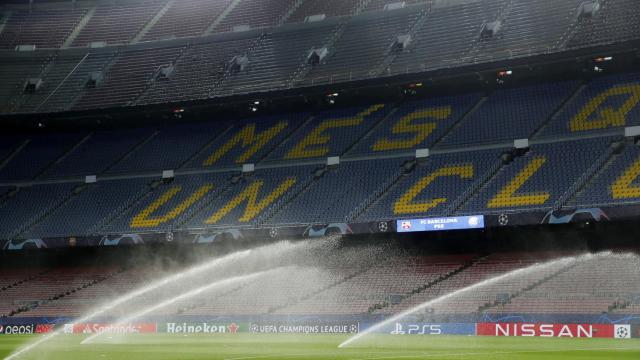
(602, 59)
(331, 98)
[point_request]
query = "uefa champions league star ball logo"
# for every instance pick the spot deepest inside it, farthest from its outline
(382, 226)
(623, 332)
(503, 219)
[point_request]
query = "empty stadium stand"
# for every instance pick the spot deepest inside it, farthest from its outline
(329, 8)
(254, 14)
(492, 121)
(591, 108)
(136, 69)
(348, 283)
(537, 179)
(359, 37)
(186, 18)
(437, 45)
(66, 80)
(614, 21)
(431, 188)
(44, 28)
(576, 158)
(528, 27)
(366, 43)
(117, 22)
(562, 294)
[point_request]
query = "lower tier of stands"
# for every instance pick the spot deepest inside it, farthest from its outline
(345, 282)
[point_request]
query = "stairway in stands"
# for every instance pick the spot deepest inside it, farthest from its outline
(488, 306)
(59, 292)
(464, 266)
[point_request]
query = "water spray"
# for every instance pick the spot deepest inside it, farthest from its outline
(135, 294)
(196, 270)
(538, 266)
(181, 297)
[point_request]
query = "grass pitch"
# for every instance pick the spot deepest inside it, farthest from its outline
(297, 347)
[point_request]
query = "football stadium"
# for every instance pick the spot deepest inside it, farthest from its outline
(319, 179)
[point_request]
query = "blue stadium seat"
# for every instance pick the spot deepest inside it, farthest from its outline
(80, 215)
(431, 187)
(171, 148)
(617, 183)
(247, 201)
(416, 124)
(168, 205)
(332, 197)
(247, 141)
(101, 150)
(28, 204)
(330, 133)
(537, 179)
(605, 103)
(510, 114)
(40, 153)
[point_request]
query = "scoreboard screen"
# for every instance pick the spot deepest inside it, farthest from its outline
(441, 224)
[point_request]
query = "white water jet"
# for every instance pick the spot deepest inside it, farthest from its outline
(128, 319)
(196, 270)
(538, 266)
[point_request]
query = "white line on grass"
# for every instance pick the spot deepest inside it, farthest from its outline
(277, 356)
(430, 355)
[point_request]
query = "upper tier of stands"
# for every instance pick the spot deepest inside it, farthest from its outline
(358, 36)
(577, 157)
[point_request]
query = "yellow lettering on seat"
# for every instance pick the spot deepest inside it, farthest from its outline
(622, 188)
(145, 219)
(406, 126)
(507, 197)
(250, 196)
(406, 204)
(311, 145)
(246, 137)
(606, 116)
